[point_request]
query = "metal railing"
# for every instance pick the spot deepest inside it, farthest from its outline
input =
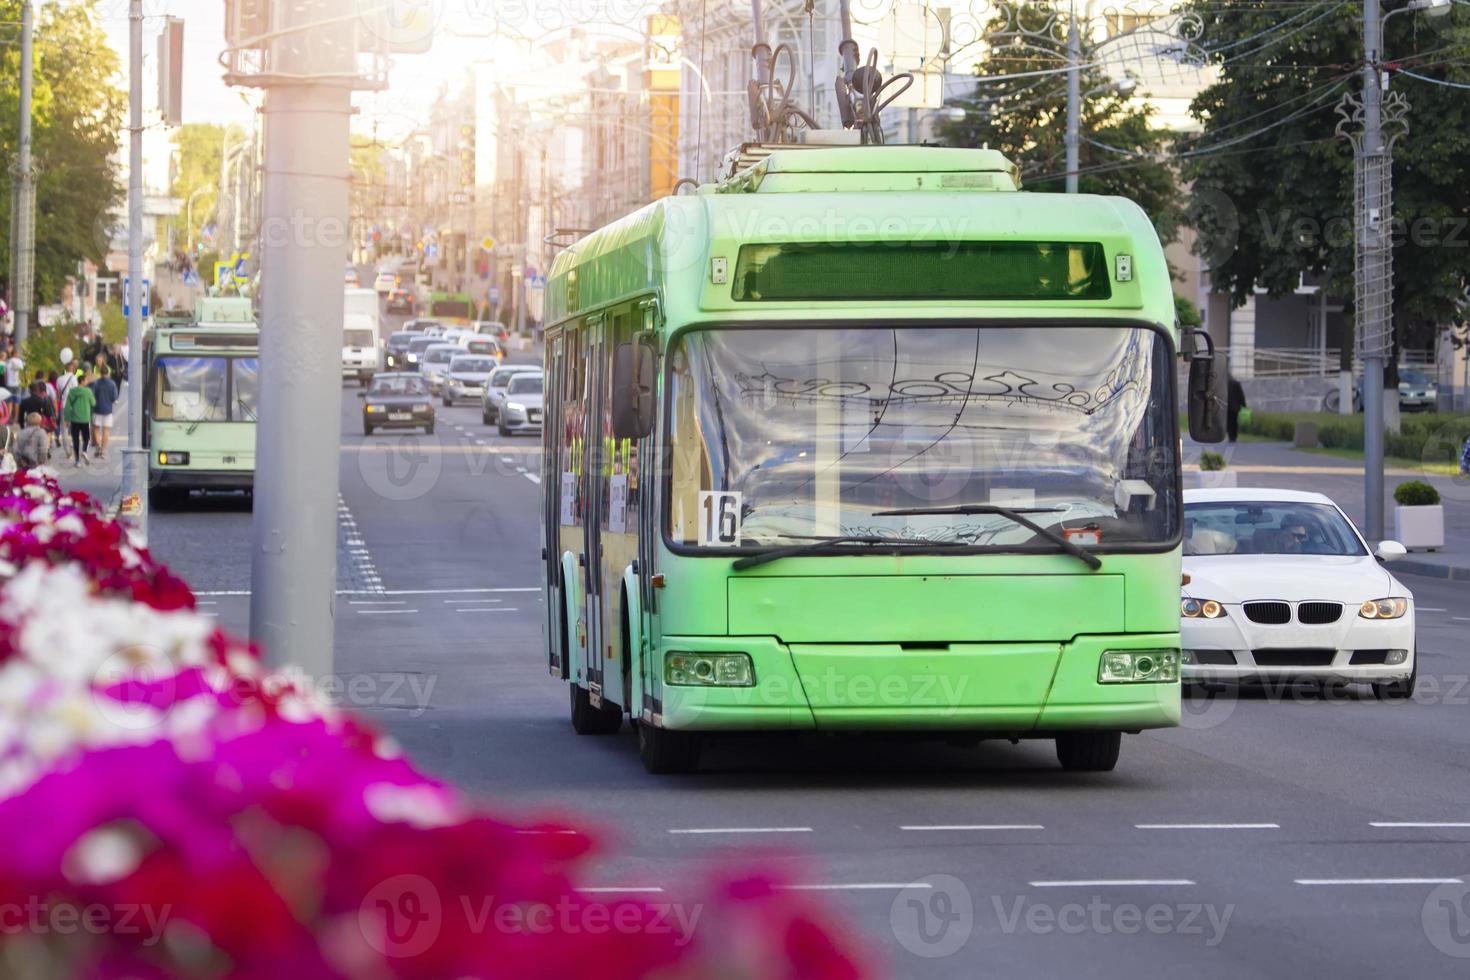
(1315, 362)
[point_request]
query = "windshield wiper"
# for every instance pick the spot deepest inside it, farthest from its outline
(817, 543)
(1014, 514)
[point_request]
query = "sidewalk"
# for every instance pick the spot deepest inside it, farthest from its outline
(1277, 464)
(101, 478)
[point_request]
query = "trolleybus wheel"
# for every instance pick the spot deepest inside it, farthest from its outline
(587, 720)
(663, 751)
(1089, 751)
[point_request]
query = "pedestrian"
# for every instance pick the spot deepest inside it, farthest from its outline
(33, 448)
(104, 392)
(15, 370)
(78, 414)
(39, 402)
(1465, 458)
(1234, 406)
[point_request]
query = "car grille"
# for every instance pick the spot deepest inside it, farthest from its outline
(1268, 613)
(1319, 613)
(534, 415)
(1293, 658)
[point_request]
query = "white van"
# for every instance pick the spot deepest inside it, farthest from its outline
(360, 349)
(362, 302)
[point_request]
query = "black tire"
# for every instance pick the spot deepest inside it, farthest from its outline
(1397, 692)
(484, 415)
(587, 720)
(367, 430)
(446, 401)
(429, 429)
(1089, 751)
(664, 752)
(500, 427)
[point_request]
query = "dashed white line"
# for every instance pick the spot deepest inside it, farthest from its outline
(469, 602)
(1377, 881)
(384, 612)
(1418, 824)
(377, 602)
(533, 478)
(1112, 883)
(1461, 619)
(1207, 826)
(741, 830)
(1431, 609)
(973, 826)
(497, 609)
(859, 886)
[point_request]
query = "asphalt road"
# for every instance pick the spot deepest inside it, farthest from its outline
(1268, 836)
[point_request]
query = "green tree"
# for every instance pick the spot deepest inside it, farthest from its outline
(1272, 185)
(1025, 118)
(77, 119)
(201, 149)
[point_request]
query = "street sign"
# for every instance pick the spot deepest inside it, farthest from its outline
(487, 243)
(431, 250)
(495, 295)
(127, 297)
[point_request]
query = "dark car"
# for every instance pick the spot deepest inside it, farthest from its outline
(416, 347)
(397, 401)
(400, 301)
(419, 325)
(395, 351)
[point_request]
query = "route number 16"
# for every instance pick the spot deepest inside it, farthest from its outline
(719, 519)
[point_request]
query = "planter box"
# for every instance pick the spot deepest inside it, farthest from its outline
(1212, 479)
(1419, 527)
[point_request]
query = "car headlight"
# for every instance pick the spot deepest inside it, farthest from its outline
(709, 670)
(1138, 667)
(1201, 609)
(374, 409)
(1384, 608)
(413, 358)
(514, 407)
(423, 408)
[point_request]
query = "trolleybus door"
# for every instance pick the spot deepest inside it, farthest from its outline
(551, 505)
(592, 515)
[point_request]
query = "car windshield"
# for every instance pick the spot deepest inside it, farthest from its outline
(1267, 528)
(472, 365)
(482, 347)
(813, 432)
(199, 389)
(420, 344)
(398, 385)
(502, 377)
(440, 355)
(358, 338)
(400, 339)
(1413, 378)
(525, 384)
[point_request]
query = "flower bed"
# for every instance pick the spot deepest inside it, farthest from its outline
(172, 809)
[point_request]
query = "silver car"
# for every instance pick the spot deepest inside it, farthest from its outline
(467, 376)
(434, 365)
(521, 410)
(495, 387)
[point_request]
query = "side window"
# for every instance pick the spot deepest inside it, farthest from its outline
(570, 466)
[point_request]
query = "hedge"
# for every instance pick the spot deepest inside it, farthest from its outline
(1430, 437)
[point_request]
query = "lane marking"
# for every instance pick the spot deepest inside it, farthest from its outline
(1417, 823)
(1112, 883)
(1431, 609)
(741, 830)
(533, 478)
(974, 826)
(1377, 881)
(358, 554)
(378, 602)
(1207, 826)
(469, 602)
(1461, 619)
(859, 886)
(384, 612)
(496, 609)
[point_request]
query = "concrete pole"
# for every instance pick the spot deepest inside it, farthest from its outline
(1373, 271)
(23, 245)
(1074, 96)
(304, 237)
(135, 457)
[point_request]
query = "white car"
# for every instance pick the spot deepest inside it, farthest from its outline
(1279, 585)
(466, 377)
(495, 387)
(520, 410)
(384, 283)
(434, 364)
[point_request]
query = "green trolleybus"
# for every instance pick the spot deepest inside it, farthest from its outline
(200, 401)
(867, 439)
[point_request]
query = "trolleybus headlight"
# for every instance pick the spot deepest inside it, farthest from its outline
(709, 670)
(1384, 608)
(173, 459)
(1201, 609)
(376, 408)
(1138, 666)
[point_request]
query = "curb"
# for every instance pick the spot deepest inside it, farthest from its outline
(1458, 573)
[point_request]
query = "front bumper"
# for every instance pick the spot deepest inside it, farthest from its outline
(457, 390)
(519, 423)
(184, 478)
(382, 421)
(1021, 689)
(1352, 649)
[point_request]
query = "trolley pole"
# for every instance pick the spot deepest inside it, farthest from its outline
(23, 218)
(303, 239)
(1074, 97)
(135, 457)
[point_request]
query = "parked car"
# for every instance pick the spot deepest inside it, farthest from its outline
(434, 364)
(395, 354)
(466, 377)
(397, 401)
(1281, 586)
(1417, 393)
(400, 300)
(495, 387)
(522, 408)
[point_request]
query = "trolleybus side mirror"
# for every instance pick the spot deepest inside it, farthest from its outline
(632, 391)
(1208, 390)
